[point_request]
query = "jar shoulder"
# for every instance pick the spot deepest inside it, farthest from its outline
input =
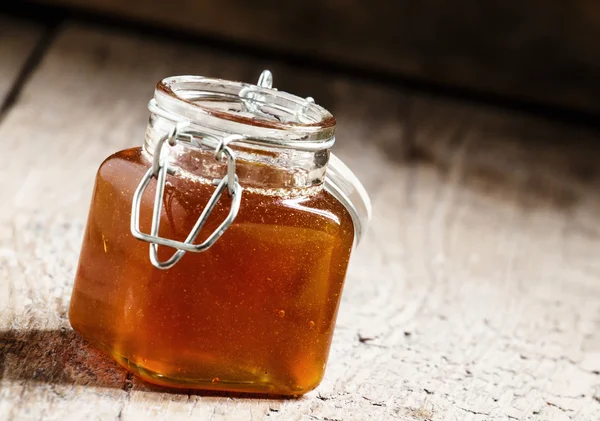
(126, 160)
(185, 199)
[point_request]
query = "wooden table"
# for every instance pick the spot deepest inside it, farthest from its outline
(474, 296)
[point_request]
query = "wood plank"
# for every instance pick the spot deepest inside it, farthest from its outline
(475, 295)
(17, 41)
(532, 50)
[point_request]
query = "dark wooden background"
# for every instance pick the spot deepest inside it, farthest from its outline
(536, 51)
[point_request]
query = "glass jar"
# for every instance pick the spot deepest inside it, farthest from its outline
(214, 256)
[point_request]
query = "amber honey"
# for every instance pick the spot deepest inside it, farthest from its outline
(254, 313)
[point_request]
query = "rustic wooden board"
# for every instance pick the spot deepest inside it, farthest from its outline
(475, 295)
(17, 41)
(533, 50)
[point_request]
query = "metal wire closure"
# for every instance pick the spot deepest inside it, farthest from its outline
(300, 114)
(159, 169)
(251, 96)
(184, 129)
(265, 80)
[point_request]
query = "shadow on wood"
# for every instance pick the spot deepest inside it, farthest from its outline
(513, 159)
(56, 356)
(62, 356)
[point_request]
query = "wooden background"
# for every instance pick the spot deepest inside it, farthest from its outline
(533, 50)
(474, 296)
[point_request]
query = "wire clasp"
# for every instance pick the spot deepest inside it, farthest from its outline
(159, 170)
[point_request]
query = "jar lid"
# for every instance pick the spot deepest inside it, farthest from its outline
(265, 116)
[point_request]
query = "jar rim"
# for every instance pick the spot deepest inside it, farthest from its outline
(176, 100)
(319, 123)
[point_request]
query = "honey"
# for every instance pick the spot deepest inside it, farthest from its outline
(215, 255)
(253, 313)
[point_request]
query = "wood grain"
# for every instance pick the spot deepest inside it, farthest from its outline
(474, 296)
(532, 50)
(17, 41)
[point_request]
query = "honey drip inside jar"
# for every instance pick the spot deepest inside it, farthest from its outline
(253, 313)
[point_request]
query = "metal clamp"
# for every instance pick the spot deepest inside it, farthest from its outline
(159, 169)
(251, 96)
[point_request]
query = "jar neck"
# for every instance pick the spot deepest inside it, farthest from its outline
(267, 170)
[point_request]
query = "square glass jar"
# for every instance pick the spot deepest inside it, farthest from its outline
(249, 303)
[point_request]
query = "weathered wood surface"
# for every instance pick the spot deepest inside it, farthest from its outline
(17, 41)
(534, 50)
(475, 295)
